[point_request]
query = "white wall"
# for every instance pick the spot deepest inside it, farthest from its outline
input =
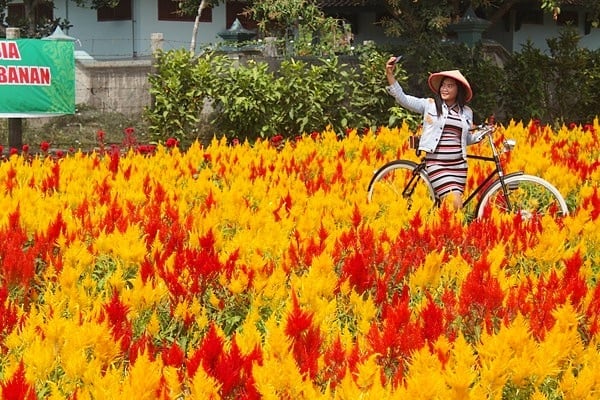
(125, 39)
(539, 34)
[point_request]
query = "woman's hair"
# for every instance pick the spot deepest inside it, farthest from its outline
(461, 95)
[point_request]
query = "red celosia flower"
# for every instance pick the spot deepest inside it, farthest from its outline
(171, 143)
(433, 320)
(17, 261)
(121, 328)
(335, 364)
(9, 316)
(173, 355)
(306, 339)
(231, 368)
(396, 337)
(115, 156)
(481, 297)
(44, 146)
(100, 136)
(17, 387)
(129, 140)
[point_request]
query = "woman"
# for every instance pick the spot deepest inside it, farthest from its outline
(446, 123)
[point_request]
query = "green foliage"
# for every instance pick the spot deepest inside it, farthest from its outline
(571, 83)
(245, 99)
(525, 88)
(179, 86)
(251, 101)
(555, 88)
(303, 96)
(412, 19)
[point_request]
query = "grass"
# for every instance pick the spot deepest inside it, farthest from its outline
(77, 131)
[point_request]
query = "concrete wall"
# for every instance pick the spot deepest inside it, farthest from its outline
(113, 86)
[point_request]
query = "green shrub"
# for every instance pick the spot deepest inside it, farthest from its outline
(572, 83)
(253, 99)
(245, 99)
(179, 87)
(526, 88)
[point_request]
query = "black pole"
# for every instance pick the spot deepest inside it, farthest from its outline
(15, 125)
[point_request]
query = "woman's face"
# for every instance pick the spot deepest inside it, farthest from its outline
(448, 90)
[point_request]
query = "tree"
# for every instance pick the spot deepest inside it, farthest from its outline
(409, 18)
(33, 27)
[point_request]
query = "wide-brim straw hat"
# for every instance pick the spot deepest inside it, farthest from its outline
(435, 80)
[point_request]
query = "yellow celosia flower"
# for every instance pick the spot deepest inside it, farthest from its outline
(144, 379)
(40, 359)
(460, 371)
(428, 275)
(425, 378)
(368, 373)
(238, 283)
(248, 337)
(365, 310)
(128, 246)
(547, 251)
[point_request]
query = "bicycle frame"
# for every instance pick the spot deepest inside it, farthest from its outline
(512, 192)
(498, 170)
(497, 173)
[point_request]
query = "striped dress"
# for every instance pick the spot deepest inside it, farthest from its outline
(446, 167)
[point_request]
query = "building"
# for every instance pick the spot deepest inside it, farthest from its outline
(114, 46)
(125, 31)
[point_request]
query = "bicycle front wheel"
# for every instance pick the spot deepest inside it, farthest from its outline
(400, 182)
(528, 196)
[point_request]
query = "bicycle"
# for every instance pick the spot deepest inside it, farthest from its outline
(512, 193)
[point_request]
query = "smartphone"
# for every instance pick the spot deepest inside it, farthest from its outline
(398, 58)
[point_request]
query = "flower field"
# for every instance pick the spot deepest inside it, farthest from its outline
(261, 272)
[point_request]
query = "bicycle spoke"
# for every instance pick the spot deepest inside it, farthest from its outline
(528, 197)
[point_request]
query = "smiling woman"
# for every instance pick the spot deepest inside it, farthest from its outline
(447, 122)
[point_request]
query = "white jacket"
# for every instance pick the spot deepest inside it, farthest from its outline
(432, 124)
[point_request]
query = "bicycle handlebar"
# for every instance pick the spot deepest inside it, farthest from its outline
(480, 131)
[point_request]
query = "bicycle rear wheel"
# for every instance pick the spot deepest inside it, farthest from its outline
(399, 181)
(528, 195)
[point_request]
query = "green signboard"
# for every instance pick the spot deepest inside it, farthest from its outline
(37, 78)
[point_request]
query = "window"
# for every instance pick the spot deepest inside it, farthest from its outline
(16, 13)
(530, 16)
(568, 17)
(235, 9)
(168, 11)
(122, 12)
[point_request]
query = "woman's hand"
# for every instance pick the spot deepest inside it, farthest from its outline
(389, 70)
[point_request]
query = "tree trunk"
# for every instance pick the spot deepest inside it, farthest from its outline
(203, 5)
